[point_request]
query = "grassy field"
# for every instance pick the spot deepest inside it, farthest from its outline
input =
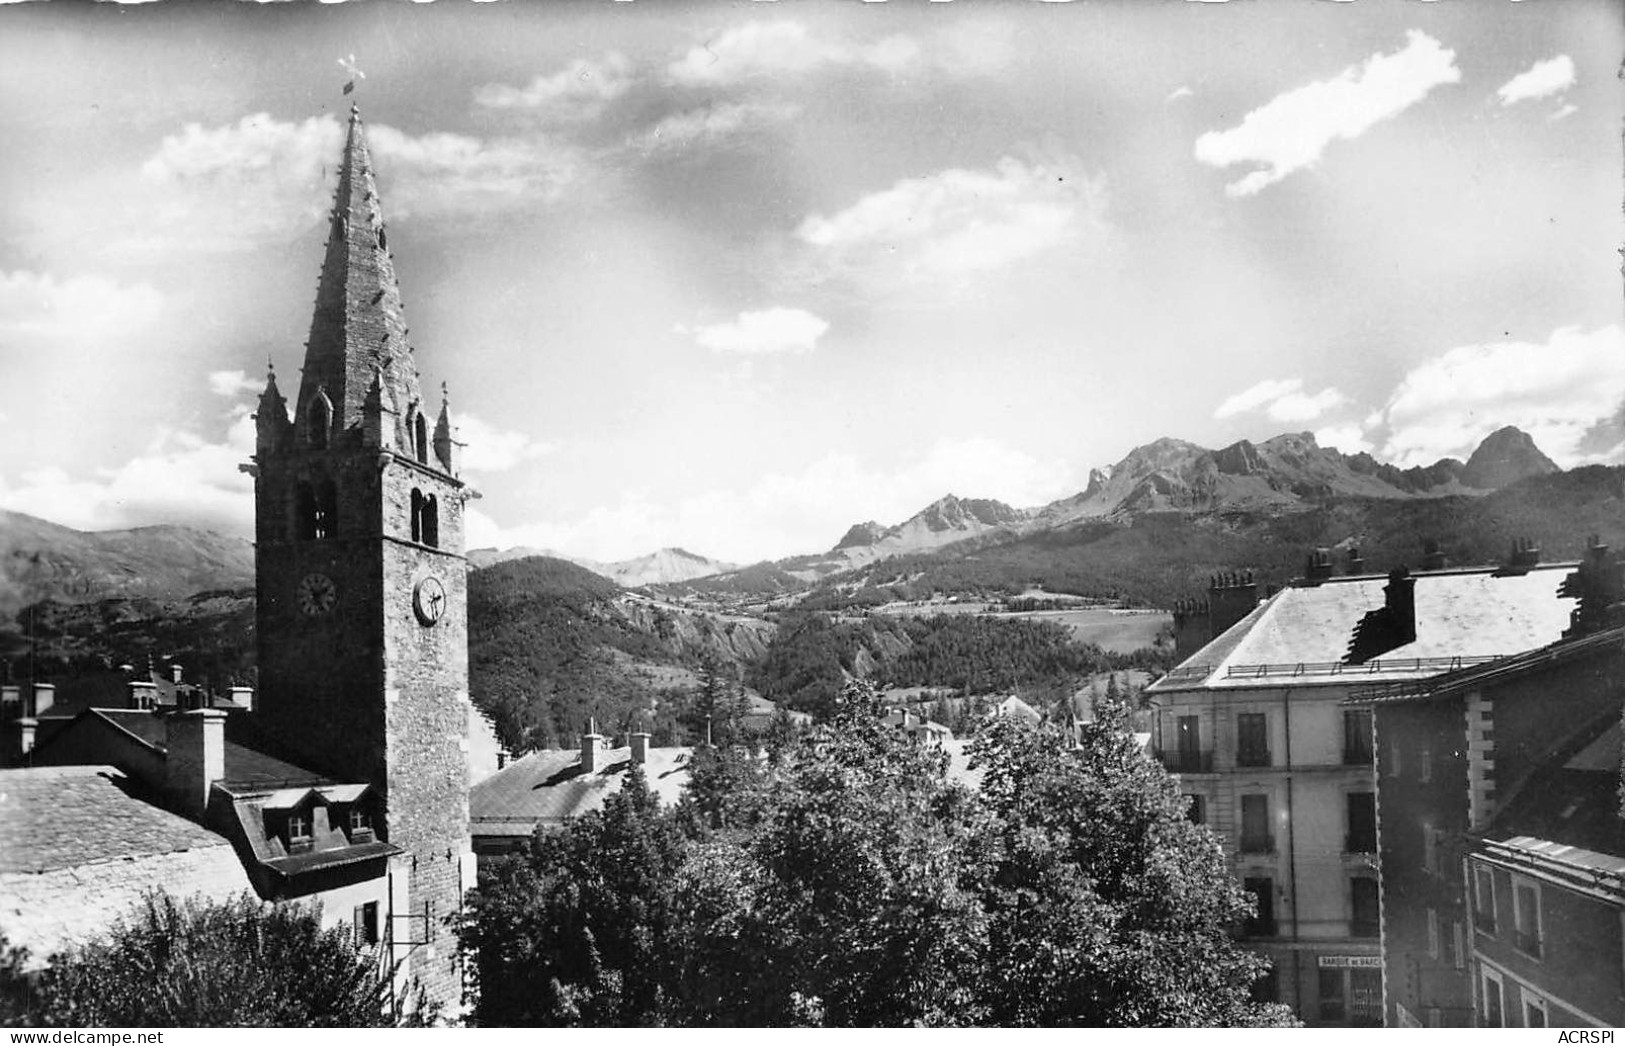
(1120, 631)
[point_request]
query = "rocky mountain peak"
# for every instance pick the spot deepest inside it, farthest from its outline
(861, 534)
(1507, 455)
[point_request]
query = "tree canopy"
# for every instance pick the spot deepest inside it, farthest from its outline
(196, 963)
(850, 880)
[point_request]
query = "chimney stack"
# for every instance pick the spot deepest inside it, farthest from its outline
(1356, 561)
(639, 742)
(1193, 627)
(589, 749)
(1432, 555)
(196, 757)
(1319, 565)
(1599, 586)
(175, 673)
(1230, 597)
(1524, 555)
(44, 698)
(11, 703)
(243, 697)
(502, 758)
(143, 694)
(1399, 599)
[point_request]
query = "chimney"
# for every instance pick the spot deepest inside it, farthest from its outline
(25, 727)
(44, 698)
(639, 742)
(195, 742)
(502, 758)
(1432, 555)
(1193, 627)
(1319, 565)
(1356, 563)
(1523, 555)
(589, 749)
(1230, 597)
(143, 694)
(243, 697)
(1599, 586)
(1399, 599)
(11, 703)
(175, 673)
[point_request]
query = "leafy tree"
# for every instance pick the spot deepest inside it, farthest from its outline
(16, 990)
(237, 963)
(1107, 907)
(853, 883)
(865, 847)
(575, 931)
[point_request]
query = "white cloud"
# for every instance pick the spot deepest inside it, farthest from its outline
(453, 173)
(779, 49)
(579, 91)
(1252, 398)
(487, 448)
(233, 383)
(1558, 392)
(710, 125)
(179, 477)
(1297, 406)
(1563, 113)
(232, 187)
(1348, 438)
(42, 316)
(1282, 399)
(786, 513)
(1291, 131)
(1179, 92)
(1540, 80)
(958, 223)
(766, 331)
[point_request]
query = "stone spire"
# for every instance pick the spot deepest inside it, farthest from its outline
(271, 419)
(442, 431)
(358, 331)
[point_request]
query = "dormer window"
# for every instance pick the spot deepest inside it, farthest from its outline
(360, 825)
(299, 831)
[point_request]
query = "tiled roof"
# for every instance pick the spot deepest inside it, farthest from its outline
(546, 787)
(79, 849)
(1301, 635)
(47, 911)
(245, 767)
(66, 816)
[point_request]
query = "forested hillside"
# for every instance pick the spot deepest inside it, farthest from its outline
(814, 655)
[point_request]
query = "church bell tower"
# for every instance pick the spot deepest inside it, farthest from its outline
(361, 581)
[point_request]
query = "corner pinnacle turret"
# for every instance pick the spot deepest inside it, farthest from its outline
(358, 332)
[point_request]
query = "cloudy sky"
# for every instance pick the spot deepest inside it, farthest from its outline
(732, 276)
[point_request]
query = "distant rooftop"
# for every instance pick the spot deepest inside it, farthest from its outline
(1301, 635)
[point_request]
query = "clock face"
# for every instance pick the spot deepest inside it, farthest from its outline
(317, 594)
(429, 600)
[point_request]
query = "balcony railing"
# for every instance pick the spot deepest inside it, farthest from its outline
(1484, 921)
(1356, 755)
(1360, 843)
(1364, 928)
(1258, 844)
(1527, 942)
(1253, 757)
(1177, 762)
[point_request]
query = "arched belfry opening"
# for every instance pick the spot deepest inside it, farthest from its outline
(420, 437)
(319, 421)
(425, 518)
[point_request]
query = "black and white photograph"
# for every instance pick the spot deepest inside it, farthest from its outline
(812, 513)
